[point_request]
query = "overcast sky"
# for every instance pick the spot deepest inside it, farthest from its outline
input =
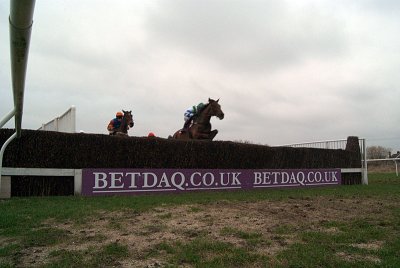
(284, 71)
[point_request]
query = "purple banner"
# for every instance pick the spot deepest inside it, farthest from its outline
(138, 181)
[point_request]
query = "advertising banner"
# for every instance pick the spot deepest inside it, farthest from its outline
(96, 182)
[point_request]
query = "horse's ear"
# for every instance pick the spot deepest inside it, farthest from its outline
(123, 111)
(218, 100)
(209, 100)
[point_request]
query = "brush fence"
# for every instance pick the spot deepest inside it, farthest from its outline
(54, 163)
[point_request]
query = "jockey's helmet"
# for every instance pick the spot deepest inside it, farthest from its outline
(151, 134)
(119, 114)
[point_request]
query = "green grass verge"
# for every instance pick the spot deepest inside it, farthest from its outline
(22, 226)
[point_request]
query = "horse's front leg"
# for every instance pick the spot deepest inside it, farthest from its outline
(212, 134)
(207, 135)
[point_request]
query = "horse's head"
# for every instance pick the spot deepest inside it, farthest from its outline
(215, 109)
(128, 118)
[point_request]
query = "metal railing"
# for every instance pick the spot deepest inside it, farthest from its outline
(20, 21)
(337, 144)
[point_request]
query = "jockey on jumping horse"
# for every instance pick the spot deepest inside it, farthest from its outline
(201, 126)
(121, 123)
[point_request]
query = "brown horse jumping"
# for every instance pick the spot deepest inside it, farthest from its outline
(126, 123)
(201, 126)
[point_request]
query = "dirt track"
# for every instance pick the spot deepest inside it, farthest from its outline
(217, 221)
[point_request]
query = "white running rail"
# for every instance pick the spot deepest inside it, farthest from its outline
(63, 123)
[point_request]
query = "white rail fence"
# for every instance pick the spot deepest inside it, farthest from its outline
(338, 144)
(64, 123)
(7, 173)
(385, 160)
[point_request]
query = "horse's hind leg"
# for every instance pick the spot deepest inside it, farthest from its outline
(181, 135)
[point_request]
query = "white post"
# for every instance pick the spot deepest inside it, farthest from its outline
(5, 189)
(364, 163)
(73, 119)
(3, 148)
(77, 181)
(56, 124)
(20, 22)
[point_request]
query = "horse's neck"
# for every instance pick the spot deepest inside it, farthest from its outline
(123, 126)
(204, 117)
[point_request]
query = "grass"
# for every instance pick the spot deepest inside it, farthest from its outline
(24, 226)
(207, 253)
(106, 256)
(321, 249)
(252, 239)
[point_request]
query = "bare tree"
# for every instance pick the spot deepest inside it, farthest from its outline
(378, 152)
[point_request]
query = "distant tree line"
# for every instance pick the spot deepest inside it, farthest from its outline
(378, 152)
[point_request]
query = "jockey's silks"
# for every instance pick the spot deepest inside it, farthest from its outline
(115, 123)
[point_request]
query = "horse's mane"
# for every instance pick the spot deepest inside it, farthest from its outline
(203, 108)
(199, 113)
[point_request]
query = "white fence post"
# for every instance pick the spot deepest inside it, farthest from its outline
(78, 182)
